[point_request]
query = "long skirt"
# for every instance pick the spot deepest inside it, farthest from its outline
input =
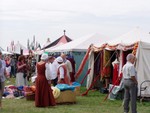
(20, 80)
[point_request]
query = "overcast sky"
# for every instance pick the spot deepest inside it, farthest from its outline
(21, 19)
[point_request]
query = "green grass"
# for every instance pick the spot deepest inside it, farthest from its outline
(92, 103)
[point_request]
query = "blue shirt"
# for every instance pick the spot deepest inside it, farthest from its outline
(2, 70)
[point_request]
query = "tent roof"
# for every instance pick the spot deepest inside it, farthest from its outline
(20, 45)
(62, 40)
(131, 37)
(1, 49)
(80, 44)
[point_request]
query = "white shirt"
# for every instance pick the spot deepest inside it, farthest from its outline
(47, 71)
(69, 67)
(129, 71)
(61, 71)
(53, 69)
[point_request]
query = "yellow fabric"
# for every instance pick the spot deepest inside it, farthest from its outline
(56, 92)
(106, 64)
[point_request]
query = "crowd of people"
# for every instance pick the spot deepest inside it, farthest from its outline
(55, 71)
(50, 70)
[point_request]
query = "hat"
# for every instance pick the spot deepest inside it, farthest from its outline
(44, 56)
(59, 59)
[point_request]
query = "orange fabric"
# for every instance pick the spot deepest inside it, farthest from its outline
(135, 48)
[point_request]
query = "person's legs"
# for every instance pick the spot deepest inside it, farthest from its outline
(13, 71)
(126, 97)
(133, 92)
(1, 93)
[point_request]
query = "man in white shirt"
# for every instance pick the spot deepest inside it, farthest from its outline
(53, 66)
(130, 84)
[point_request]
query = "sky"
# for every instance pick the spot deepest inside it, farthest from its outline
(22, 19)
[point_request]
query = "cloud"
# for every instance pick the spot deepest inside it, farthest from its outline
(56, 10)
(44, 18)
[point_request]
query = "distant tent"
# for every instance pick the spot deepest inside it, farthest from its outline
(62, 40)
(1, 49)
(4, 52)
(16, 48)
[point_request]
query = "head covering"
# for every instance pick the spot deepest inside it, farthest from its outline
(59, 59)
(44, 56)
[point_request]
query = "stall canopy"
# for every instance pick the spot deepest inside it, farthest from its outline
(81, 44)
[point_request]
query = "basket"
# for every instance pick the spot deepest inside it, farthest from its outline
(30, 97)
(66, 96)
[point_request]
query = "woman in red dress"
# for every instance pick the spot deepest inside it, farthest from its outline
(43, 93)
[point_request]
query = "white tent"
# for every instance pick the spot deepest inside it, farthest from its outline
(16, 48)
(5, 52)
(80, 44)
(143, 67)
(126, 42)
(130, 38)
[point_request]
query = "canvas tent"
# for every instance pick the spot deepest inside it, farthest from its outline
(78, 47)
(127, 43)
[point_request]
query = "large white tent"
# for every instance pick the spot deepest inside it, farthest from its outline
(80, 44)
(126, 42)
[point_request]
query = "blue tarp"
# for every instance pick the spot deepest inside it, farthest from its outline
(64, 87)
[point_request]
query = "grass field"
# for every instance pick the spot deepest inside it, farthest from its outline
(92, 103)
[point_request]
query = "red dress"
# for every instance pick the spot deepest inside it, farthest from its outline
(115, 74)
(43, 93)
